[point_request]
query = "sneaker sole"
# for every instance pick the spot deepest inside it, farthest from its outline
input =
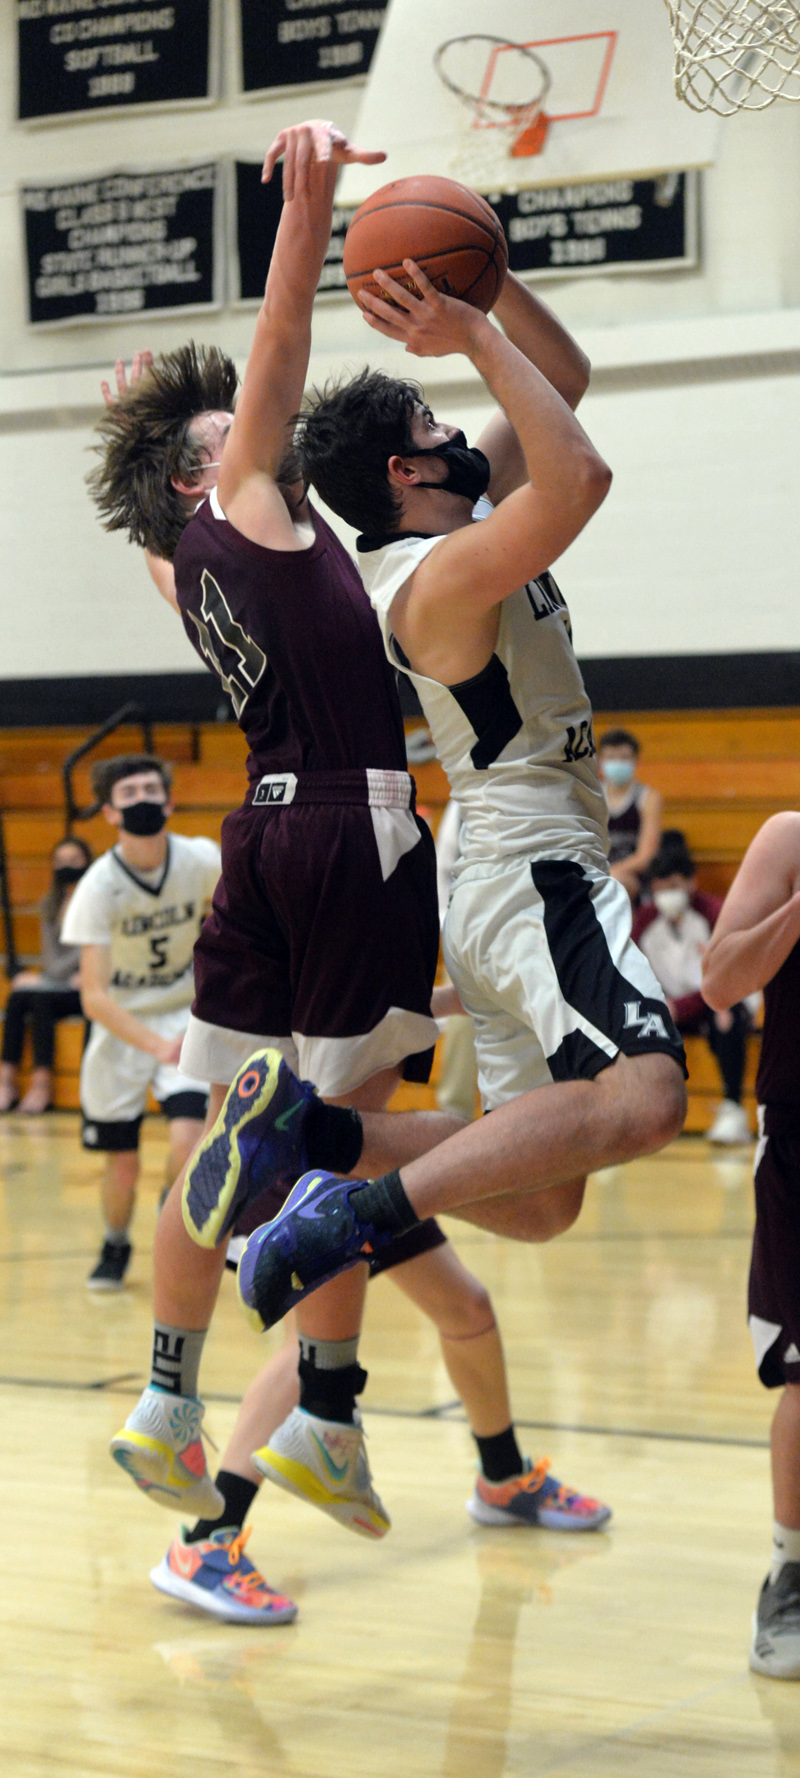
(150, 1465)
(296, 1479)
(167, 1582)
(220, 1204)
(484, 1514)
(105, 1284)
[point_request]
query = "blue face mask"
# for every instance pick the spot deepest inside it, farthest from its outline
(618, 771)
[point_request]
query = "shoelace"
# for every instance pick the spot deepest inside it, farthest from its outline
(236, 1545)
(537, 1475)
(246, 1583)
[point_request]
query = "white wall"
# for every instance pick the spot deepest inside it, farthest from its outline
(695, 403)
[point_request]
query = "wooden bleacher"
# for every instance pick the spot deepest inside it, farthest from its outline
(721, 772)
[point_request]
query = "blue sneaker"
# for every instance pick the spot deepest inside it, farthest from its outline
(215, 1576)
(313, 1238)
(257, 1141)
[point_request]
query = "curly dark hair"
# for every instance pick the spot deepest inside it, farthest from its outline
(346, 434)
(145, 441)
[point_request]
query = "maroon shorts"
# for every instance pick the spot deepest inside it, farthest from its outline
(774, 1289)
(320, 936)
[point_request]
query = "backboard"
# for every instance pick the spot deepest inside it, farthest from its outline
(527, 92)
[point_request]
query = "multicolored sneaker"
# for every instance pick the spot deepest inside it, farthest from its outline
(314, 1237)
(216, 1576)
(257, 1141)
(775, 1648)
(326, 1464)
(161, 1447)
(535, 1498)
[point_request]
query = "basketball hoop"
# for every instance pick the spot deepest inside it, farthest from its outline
(735, 55)
(513, 125)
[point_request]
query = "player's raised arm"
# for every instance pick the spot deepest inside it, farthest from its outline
(473, 569)
(536, 332)
(276, 369)
(760, 920)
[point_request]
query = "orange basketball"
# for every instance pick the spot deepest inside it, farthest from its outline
(451, 232)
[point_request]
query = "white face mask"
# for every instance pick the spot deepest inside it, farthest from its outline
(671, 902)
(617, 771)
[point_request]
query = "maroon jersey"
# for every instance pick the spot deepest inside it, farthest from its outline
(293, 638)
(778, 1081)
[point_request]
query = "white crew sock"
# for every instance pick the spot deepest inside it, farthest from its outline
(785, 1548)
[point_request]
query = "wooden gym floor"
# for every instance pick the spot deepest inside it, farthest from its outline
(446, 1651)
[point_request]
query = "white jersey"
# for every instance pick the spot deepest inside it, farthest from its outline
(516, 740)
(150, 921)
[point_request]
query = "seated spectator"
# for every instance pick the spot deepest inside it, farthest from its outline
(634, 809)
(673, 931)
(45, 996)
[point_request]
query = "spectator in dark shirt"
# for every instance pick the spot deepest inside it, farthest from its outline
(673, 930)
(47, 995)
(634, 809)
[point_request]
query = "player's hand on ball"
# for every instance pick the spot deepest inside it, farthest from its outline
(303, 145)
(428, 323)
(141, 362)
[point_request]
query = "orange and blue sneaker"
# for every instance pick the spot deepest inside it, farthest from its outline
(258, 1141)
(216, 1576)
(535, 1498)
(315, 1236)
(326, 1463)
(161, 1448)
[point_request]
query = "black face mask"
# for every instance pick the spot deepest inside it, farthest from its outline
(144, 819)
(64, 874)
(468, 471)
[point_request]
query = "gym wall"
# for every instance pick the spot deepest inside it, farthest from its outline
(694, 402)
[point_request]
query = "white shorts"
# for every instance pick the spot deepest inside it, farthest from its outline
(542, 956)
(115, 1077)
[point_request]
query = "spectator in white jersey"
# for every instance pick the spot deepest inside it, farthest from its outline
(135, 915)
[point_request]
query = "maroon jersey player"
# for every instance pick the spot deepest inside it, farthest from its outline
(756, 944)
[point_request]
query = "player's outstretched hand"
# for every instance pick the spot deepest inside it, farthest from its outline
(316, 142)
(429, 324)
(141, 362)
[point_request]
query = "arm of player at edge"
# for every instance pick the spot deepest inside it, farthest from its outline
(760, 920)
(101, 1007)
(276, 371)
(536, 332)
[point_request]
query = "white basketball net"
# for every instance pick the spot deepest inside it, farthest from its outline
(735, 55)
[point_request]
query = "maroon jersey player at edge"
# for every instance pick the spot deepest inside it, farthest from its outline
(756, 944)
(327, 836)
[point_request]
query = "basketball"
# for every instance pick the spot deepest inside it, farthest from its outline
(451, 232)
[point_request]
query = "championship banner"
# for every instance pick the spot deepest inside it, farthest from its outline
(306, 42)
(611, 225)
(79, 56)
(124, 243)
(255, 215)
(620, 225)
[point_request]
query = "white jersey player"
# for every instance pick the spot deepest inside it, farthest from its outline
(136, 915)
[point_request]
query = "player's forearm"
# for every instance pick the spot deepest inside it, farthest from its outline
(561, 460)
(102, 1009)
(536, 332)
(299, 252)
(739, 963)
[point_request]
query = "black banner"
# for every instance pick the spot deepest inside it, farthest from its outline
(609, 225)
(304, 42)
(124, 243)
(612, 225)
(78, 56)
